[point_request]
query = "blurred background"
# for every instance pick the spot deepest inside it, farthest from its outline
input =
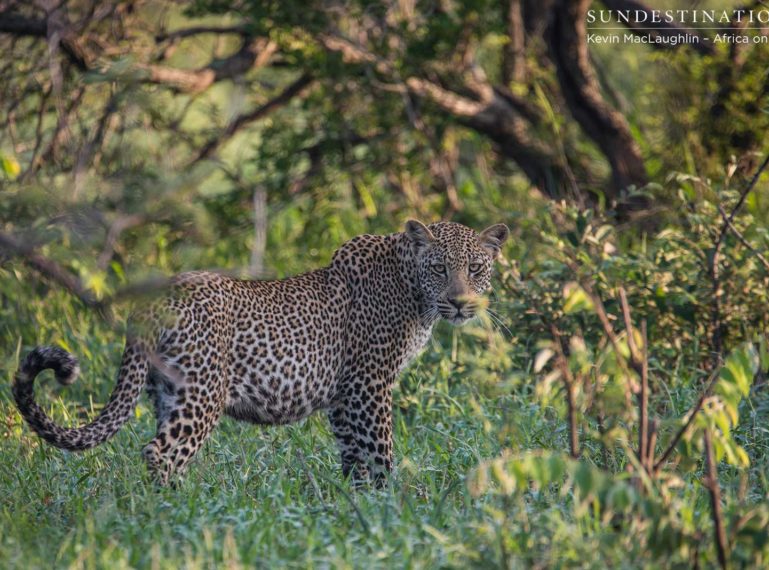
(260, 135)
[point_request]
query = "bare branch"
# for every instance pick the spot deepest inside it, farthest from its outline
(635, 355)
(198, 30)
(293, 90)
(714, 266)
(742, 238)
(741, 201)
(353, 53)
(496, 113)
(57, 29)
(113, 234)
(448, 100)
(60, 275)
(48, 268)
(569, 383)
(639, 363)
(252, 55)
(714, 489)
(646, 435)
(690, 419)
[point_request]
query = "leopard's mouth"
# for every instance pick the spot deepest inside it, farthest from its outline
(457, 317)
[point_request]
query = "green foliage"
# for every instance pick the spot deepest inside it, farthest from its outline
(610, 496)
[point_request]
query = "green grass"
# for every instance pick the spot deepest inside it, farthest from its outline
(265, 496)
(274, 496)
(268, 496)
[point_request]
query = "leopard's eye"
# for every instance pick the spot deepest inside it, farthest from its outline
(475, 267)
(438, 268)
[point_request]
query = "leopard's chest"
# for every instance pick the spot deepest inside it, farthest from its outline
(415, 346)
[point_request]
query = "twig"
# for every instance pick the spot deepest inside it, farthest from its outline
(294, 89)
(49, 268)
(635, 357)
(694, 411)
(115, 229)
(652, 445)
(600, 310)
(38, 132)
(566, 375)
(514, 53)
(59, 274)
(254, 53)
(714, 269)
(648, 435)
(639, 363)
(570, 385)
(743, 195)
(714, 489)
(742, 238)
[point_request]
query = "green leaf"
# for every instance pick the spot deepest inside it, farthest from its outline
(740, 367)
(10, 166)
(619, 497)
(584, 480)
(576, 299)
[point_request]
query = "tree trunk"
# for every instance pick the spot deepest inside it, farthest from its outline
(607, 127)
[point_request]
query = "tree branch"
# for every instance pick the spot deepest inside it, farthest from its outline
(253, 54)
(116, 228)
(198, 30)
(52, 270)
(48, 268)
(743, 240)
(55, 26)
(18, 25)
(293, 90)
(714, 489)
(494, 114)
(714, 268)
(569, 384)
(603, 124)
(514, 54)
(690, 419)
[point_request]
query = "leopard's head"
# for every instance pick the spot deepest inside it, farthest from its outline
(454, 266)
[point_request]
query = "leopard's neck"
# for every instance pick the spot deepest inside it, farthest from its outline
(410, 276)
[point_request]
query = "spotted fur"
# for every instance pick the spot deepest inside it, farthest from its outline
(273, 352)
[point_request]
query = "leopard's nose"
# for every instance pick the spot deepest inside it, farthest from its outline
(457, 303)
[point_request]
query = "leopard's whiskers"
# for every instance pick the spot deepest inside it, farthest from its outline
(496, 318)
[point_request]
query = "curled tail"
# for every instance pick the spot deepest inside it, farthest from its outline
(131, 378)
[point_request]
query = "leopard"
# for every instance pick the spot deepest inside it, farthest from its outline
(331, 340)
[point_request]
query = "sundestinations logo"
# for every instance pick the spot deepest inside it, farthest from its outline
(723, 17)
(673, 27)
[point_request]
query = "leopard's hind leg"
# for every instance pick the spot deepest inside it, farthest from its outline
(188, 404)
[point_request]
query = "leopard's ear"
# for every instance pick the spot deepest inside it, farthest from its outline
(419, 235)
(493, 237)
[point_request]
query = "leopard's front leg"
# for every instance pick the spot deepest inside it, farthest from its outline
(362, 424)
